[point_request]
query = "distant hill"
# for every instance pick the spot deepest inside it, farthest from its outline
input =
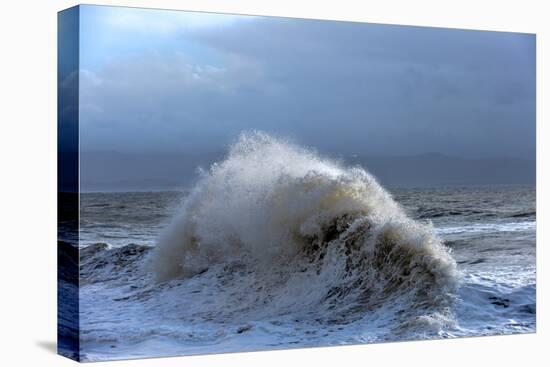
(440, 170)
(110, 171)
(113, 171)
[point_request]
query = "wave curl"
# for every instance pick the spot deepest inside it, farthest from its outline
(308, 232)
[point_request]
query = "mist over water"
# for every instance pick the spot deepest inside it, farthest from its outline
(276, 247)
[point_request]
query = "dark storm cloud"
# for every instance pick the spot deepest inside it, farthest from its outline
(345, 88)
(424, 89)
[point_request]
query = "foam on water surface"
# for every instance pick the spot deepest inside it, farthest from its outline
(276, 247)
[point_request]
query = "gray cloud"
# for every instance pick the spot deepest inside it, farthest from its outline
(345, 88)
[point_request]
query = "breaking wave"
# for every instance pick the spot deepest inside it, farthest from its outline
(276, 230)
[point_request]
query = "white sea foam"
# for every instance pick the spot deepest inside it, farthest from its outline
(277, 247)
(488, 228)
(301, 232)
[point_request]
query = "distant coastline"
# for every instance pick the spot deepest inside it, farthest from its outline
(116, 172)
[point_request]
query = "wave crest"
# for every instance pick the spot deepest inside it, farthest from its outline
(308, 228)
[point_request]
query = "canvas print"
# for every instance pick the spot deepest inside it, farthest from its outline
(233, 183)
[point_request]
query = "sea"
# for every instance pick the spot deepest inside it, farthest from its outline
(305, 256)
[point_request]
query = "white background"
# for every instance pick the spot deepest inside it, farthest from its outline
(28, 181)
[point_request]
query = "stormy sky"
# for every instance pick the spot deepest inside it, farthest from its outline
(169, 82)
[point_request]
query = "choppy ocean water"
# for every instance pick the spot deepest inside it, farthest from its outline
(124, 314)
(269, 256)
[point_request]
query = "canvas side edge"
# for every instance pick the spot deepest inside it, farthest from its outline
(68, 323)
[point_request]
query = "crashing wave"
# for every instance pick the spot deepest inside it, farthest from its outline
(99, 262)
(292, 233)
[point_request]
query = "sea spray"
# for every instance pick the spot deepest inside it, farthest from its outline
(347, 284)
(290, 232)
